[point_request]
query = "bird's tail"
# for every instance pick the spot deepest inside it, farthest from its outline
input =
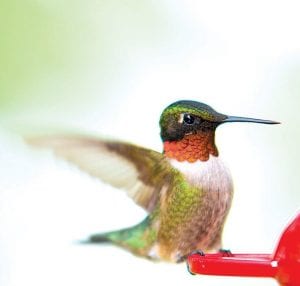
(136, 239)
(115, 237)
(99, 238)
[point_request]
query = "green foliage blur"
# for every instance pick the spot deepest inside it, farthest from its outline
(59, 57)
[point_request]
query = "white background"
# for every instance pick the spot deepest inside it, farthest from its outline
(124, 62)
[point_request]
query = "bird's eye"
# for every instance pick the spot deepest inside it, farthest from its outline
(188, 119)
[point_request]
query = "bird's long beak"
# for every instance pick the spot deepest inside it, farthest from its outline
(246, 119)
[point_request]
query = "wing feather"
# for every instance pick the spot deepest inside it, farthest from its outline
(140, 171)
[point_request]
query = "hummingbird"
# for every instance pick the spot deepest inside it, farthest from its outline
(186, 189)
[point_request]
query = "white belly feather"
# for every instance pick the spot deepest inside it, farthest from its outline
(211, 175)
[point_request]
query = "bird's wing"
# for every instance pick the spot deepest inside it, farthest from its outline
(141, 172)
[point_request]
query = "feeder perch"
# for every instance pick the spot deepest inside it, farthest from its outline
(283, 265)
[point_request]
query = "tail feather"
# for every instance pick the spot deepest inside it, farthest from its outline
(105, 237)
(98, 238)
(136, 238)
(113, 236)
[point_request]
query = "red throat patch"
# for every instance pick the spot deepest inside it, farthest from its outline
(192, 147)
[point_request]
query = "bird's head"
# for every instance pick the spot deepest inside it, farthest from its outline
(191, 119)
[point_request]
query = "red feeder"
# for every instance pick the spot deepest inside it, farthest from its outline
(283, 264)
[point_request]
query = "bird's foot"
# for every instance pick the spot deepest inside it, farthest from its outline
(183, 258)
(199, 252)
(225, 252)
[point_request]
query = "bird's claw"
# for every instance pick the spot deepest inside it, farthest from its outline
(184, 257)
(199, 252)
(225, 252)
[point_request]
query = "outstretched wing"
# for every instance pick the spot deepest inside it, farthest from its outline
(141, 172)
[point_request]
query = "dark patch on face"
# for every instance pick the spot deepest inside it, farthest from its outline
(176, 131)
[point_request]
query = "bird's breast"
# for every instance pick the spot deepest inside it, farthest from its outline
(211, 175)
(189, 222)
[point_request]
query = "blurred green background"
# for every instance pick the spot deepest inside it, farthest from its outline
(60, 58)
(109, 68)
